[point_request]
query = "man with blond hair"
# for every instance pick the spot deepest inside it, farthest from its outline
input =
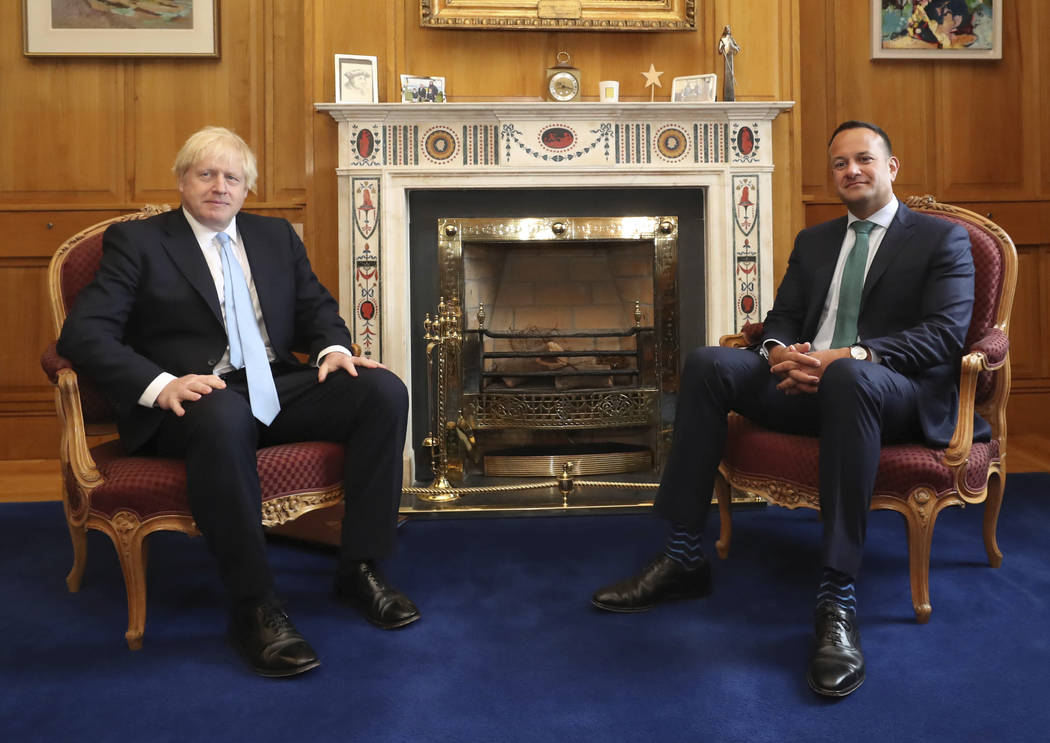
(189, 327)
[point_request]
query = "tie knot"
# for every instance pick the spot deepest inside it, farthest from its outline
(862, 226)
(223, 238)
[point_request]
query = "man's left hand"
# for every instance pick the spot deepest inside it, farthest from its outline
(805, 381)
(339, 360)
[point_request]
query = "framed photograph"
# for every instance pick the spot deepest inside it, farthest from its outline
(356, 79)
(128, 28)
(937, 29)
(417, 89)
(694, 88)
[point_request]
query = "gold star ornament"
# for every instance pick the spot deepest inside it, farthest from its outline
(652, 81)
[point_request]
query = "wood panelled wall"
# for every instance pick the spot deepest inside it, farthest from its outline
(969, 132)
(84, 139)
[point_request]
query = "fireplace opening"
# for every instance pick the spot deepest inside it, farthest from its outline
(569, 327)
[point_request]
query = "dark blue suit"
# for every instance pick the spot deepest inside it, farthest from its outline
(915, 311)
(153, 308)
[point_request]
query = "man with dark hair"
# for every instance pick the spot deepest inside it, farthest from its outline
(861, 347)
(189, 327)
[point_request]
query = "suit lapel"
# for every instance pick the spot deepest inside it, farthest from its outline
(825, 264)
(893, 243)
(256, 243)
(181, 245)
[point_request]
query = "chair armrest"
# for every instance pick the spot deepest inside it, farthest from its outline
(749, 335)
(51, 362)
(988, 353)
(74, 451)
(994, 345)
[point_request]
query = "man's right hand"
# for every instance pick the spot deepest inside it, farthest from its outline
(795, 367)
(187, 389)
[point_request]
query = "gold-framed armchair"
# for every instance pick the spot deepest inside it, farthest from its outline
(915, 480)
(130, 497)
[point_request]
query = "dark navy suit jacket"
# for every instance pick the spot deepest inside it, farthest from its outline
(915, 307)
(153, 308)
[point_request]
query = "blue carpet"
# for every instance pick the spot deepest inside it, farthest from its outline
(509, 649)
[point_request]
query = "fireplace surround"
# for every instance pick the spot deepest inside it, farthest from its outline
(388, 152)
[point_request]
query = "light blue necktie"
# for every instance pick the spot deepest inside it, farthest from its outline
(246, 344)
(851, 287)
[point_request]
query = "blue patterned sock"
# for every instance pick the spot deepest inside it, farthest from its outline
(683, 546)
(838, 588)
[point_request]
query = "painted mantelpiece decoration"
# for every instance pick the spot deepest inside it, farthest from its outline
(387, 150)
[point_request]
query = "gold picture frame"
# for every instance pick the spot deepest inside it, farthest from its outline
(559, 15)
(158, 28)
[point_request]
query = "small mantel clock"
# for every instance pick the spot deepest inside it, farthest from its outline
(563, 80)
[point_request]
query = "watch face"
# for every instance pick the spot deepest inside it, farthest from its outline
(563, 86)
(858, 352)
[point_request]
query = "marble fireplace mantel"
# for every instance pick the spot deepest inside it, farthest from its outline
(387, 150)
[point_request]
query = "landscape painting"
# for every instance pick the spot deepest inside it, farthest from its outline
(138, 28)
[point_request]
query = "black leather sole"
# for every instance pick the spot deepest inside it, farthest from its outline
(637, 608)
(361, 607)
(834, 692)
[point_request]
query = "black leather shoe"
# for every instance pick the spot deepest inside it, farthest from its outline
(663, 579)
(836, 664)
(268, 640)
(364, 588)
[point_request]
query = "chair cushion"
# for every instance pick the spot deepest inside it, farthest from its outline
(155, 486)
(795, 459)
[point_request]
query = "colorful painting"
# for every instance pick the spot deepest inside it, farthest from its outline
(121, 28)
(936, 29)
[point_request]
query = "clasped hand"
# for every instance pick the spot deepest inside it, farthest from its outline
(800, 370)
(191, 387)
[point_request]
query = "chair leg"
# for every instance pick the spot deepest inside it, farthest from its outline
(78, 537)
(723, 492)
(130, 541)
(992, 506)
(919, 517)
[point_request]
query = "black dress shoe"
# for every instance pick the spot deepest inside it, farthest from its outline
(836, 664)
(663, 579)
(268, 640)
(364, 588)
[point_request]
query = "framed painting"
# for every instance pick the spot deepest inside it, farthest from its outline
(121, 28)
(560, 15)
(936, 29)
(356, 79)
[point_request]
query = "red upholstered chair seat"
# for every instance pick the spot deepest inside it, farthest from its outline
(156, 486)
(912, 479)
(795, 460)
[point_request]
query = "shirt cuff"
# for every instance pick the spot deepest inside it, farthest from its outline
(330, 349)
(149, 397)
(763, 350)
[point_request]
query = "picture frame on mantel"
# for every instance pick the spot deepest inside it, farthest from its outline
(937, 29)
(151, 28)
(559, 15)
(356, 79)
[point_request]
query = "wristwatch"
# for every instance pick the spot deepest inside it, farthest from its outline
(860, 353)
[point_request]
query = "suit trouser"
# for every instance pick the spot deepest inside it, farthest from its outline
(218, 437)
(858, 406)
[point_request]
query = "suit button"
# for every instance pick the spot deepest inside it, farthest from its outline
(212, 362)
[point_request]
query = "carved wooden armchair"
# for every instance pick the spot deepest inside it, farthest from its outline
(128, 498)
(913, 479)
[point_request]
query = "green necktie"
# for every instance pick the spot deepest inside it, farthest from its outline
(851, 287)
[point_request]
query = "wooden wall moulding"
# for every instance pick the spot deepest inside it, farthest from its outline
(559, 15)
